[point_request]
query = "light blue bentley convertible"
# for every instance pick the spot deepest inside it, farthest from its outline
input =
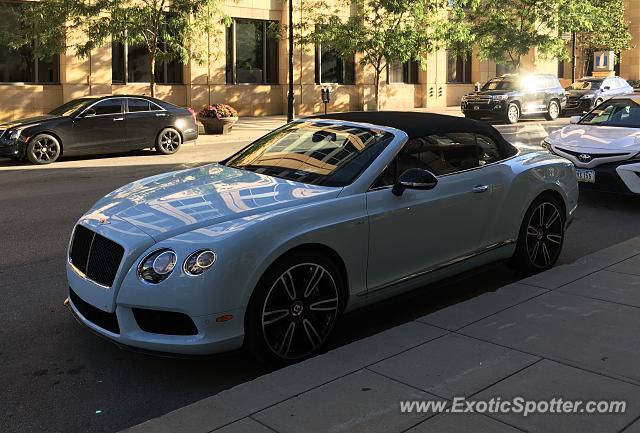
(268, 248)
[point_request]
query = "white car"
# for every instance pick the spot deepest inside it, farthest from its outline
(604, 145)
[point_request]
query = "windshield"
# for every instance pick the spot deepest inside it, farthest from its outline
(499, 84)
(585, 85)
(615, 112)
(313, 152)
(70, 107)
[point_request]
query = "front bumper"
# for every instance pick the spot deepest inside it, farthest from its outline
(489, 108)
(122, 328)
(616, 177)
(12, 148)
(577, 106)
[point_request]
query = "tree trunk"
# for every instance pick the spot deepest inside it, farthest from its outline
(152, 71)
(377, 89)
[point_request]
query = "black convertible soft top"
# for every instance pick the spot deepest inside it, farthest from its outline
(416, 124)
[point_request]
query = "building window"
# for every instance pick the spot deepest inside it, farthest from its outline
(21, 65)
(333, 69)
(406, 72)
(459, 68)
(252, 52)
(561, 65)
(136, 67)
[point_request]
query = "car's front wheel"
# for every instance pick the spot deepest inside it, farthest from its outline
(541, 235)
(553, 111)
(43, 149)
(294, 308)
(512, 113)
(169, 141)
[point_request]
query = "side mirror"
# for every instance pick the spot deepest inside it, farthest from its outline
(88, 113)
(414, 178)
(574, 119)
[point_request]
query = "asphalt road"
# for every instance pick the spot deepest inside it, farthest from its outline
(56, 376)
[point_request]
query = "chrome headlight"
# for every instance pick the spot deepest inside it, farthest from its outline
(14, 134)
(157, 266)
(199, 262)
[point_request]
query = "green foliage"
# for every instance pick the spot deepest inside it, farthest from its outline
(381, 31)
(506, 30)
(168, 29)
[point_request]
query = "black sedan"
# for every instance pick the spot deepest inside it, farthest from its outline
(94, 125)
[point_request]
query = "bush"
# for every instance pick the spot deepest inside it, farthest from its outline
(218, 111)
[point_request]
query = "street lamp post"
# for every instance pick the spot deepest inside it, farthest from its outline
(290, 98)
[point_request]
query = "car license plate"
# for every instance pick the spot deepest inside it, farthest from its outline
(588, 176)
(475, 107)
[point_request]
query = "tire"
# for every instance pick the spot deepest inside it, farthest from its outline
(512, 114)
(288, 322)
(553, 110)
(43, 149)
(541, 235)
(168, 142)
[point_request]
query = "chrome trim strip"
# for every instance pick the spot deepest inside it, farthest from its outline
(83, 276)
(442, 265)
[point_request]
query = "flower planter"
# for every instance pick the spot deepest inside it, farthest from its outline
(213, 125)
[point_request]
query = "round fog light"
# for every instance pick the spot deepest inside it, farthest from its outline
(199, 262)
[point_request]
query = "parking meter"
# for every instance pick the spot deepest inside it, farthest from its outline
(326, 97)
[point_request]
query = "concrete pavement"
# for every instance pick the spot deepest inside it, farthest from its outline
(571, 332)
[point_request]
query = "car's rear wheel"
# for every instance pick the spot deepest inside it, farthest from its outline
(294, 308)
(168, 142)
(541, 235)
(43, 149)
(512, 114)
(553, 111)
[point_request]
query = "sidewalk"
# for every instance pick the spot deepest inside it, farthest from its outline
(571, 332)
(248, 129)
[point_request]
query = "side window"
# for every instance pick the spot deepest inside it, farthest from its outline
(136, 105)
(489, 152)
(441, 154)
(154, 107)
(553, 83)
(108, 106)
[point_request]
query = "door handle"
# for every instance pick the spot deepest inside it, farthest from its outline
(160, 114)
(480, 188)
(118, 119)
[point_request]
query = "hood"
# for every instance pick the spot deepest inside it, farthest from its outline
(580, 92)
(490, 92)
(591, 137)
(27, 121)
(173, 203)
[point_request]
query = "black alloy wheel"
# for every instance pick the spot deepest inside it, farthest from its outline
(169, 141)
(294, 309)
(541, 235)
(43, 149)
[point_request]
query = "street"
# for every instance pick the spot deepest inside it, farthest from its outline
(57, 376)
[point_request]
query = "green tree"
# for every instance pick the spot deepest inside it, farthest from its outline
(609, 30)
(381, 31)
(506, 30)
(167, 29)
